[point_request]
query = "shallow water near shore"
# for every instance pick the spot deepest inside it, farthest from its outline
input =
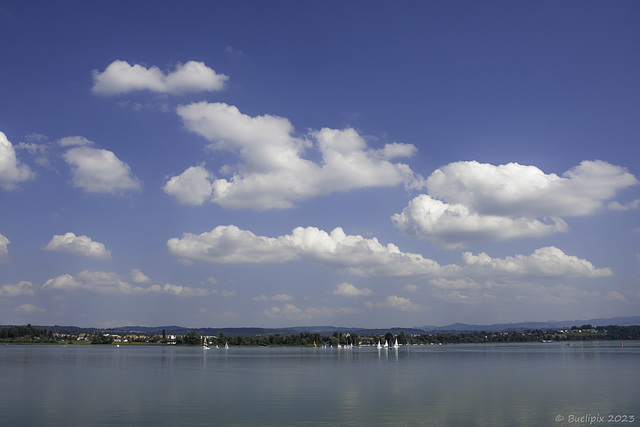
(527, 384)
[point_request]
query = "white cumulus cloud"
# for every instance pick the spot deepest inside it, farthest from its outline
(273, 172)
(515, 189)
(78, 245)
(349, 290)
(450, 225)
(336, 250)
(461, 283)
(191, 187)
(368, 257)
(4, 243)
(401, 303)
(99, 171)
(178, 290)
(138, 276)
(544, 262)
(110, 283)
(62, 282)
(21, 288)
(121, 77)
(477, 201)
(12, 172)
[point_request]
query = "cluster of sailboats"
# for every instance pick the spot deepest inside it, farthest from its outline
(205, 346)
(330, 346)
(386, 345)
(379, 346)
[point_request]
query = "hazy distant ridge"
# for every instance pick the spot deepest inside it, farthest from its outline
(330, 330)
(552, 324)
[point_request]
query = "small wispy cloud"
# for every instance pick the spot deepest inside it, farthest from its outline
(110, 283)
(349, 290)
(21, 288)
(29, 308)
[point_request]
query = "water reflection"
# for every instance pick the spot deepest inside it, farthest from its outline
(519, 384)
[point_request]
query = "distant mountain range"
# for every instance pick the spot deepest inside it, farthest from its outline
(330, 330)
(553, 324)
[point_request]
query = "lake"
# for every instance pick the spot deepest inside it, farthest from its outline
(528, 384)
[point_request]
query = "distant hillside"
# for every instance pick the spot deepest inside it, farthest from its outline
(330, 330)
(554, 324)
(180, 330)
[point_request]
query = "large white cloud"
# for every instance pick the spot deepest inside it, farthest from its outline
(368, 257)
(478, 201)
(515, 189)
(544, 262)
(99, 171)
(121, 77)
(448, 225)
(273, 172)
(78, 245)
(111, 283)
(12, 172)
(230, 244)
(336, 250)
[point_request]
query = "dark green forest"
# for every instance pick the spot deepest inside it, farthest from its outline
(25, 334)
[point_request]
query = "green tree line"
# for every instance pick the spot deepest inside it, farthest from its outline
(307, 339)
(25, 333)
(30, 334)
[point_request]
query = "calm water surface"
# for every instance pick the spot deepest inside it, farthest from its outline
(530, 384)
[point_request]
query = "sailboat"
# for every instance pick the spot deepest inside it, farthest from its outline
(378, 346)
(226, 346)
(205, 346)
(386, 344)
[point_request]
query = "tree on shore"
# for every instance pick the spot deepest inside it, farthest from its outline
(102, 339)
(192, 338)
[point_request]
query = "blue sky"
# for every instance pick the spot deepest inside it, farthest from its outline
(365, 164)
